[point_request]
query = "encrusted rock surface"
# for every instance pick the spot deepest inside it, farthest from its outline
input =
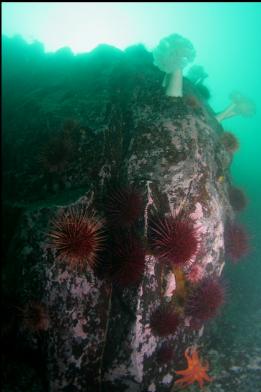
(99, 336)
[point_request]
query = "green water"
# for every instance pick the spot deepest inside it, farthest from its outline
(227, 39)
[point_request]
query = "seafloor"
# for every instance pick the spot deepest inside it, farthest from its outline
(235, 366)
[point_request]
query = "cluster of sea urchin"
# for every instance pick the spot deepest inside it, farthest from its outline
(77, 236)
(174, 239)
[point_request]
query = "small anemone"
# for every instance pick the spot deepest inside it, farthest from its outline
(243, 105)
(240, 105)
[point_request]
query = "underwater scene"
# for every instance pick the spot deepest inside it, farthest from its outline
(131, 197)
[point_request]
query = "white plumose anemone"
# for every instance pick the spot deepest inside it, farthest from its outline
(172, 55)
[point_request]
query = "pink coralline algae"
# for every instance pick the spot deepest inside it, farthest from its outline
(195, 273)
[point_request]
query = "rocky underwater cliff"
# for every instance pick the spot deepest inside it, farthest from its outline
(117, 213)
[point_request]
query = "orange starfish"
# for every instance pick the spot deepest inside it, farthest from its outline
(196, 370)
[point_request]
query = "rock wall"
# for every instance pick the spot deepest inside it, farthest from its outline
(99, 336)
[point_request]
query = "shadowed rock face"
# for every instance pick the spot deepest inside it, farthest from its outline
(99, 336)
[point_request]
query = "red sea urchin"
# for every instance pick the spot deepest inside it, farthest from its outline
(123, 207)
(237, 198)
(236, 242)
(165, 354)
(230, 142)
(35, 317)
(56, 154)
(204, 301)
(174, 240)
(127, 260)
(77, 236)
(164, 321)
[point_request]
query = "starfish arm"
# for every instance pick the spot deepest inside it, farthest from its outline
(186, 353)
(201, 383)
(207, 377)
(185, 381)
(195, 357)
(183, 372)
(186, 378)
